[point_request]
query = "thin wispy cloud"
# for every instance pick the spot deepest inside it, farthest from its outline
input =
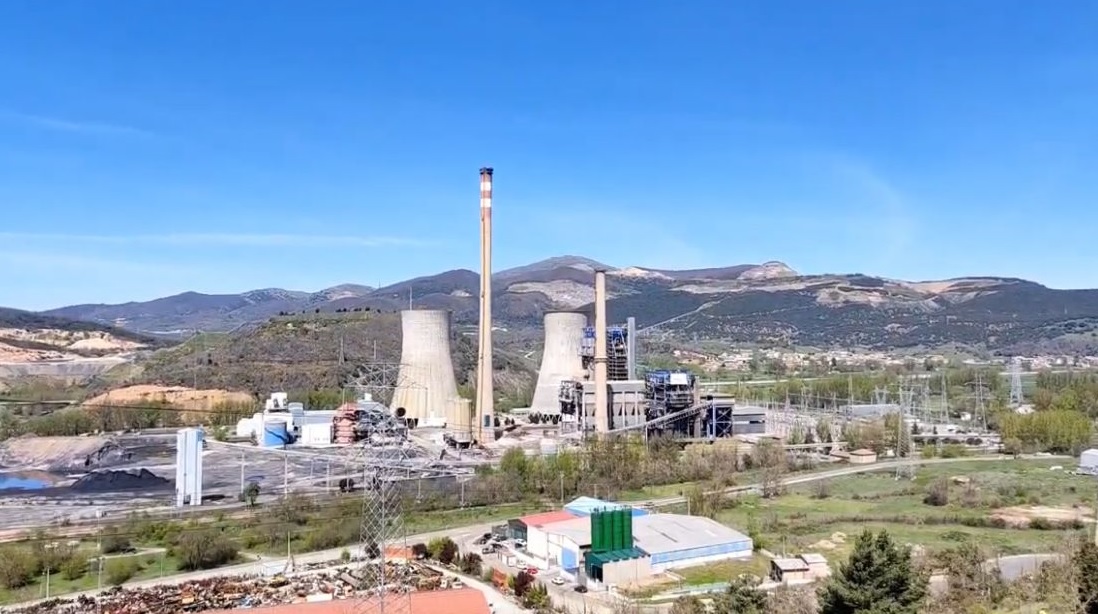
(58, 124)
(52, 262)
(223, 240)
(885, 213)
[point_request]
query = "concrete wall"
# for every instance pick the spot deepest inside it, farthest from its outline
(563, 550)
(624, 573)
(537, 542)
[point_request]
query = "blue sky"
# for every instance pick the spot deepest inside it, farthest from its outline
(151, 148)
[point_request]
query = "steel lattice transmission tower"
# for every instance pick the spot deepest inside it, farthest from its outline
(385, 576)
(379, 462)
(1016, 382)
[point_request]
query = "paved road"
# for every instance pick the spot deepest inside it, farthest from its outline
(462, 534)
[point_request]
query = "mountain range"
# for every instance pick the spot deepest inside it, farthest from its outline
(769, 304)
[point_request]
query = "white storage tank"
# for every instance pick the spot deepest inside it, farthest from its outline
(245, 428)
(317, 434)
(1088, 462)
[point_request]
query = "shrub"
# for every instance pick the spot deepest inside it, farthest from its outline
(121, 570)
(114, 543)
(74, 568)
(937, 493)
(471, 564)
(953, 450)
(419, 550)
(17, 567)
(205, 550)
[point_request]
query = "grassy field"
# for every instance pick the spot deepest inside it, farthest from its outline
(149, 566)
(803, 520)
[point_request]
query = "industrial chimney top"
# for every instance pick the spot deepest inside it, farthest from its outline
(486, 170)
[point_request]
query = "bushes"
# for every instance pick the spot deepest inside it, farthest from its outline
(74, 568)
(470, 564)
(121, 570)
(18, 567)
(204, 550)
(113, 543)
(444, 550)
(937, 494)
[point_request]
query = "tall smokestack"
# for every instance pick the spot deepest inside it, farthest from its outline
(485, 404)
(602, 406)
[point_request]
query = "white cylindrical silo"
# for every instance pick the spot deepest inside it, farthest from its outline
(427, 384)
(560, 360)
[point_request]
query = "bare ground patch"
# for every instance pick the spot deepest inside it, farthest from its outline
(1024, 515)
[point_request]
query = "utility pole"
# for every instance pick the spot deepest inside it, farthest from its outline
(99, 579)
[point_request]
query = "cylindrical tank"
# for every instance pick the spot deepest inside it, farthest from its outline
(275, 434)
(548, 446)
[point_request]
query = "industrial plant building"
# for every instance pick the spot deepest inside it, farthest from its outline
(617, 544)
(282, 423)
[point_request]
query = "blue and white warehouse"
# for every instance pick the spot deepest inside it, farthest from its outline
(673, 541)
(676, 540)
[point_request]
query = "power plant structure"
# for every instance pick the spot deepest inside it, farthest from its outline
(562, 358)
(188, 467)
(427, 389)
(608, 397)
(485, 406)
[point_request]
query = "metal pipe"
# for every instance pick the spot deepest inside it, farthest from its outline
(602, 405)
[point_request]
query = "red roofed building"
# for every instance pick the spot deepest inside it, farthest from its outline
(454, 601)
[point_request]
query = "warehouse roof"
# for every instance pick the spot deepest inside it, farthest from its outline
(454, 601)
(576, 529)
(539, 520)
(659, 533)
(585, 506)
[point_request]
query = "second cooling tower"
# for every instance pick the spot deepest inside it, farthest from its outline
(427, 388)
(560, 360)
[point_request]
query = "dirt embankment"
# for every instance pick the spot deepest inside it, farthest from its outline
(61, 454)
(1023, 516)
(177, 396)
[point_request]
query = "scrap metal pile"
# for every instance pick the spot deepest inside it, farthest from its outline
(231, 592)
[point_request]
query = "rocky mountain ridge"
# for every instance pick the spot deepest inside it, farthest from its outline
(768, 303)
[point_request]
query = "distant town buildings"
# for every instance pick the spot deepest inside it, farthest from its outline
(793, 362)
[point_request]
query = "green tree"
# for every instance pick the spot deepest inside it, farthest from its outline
(878, 578)
(742, 597)
(688, 605)
(1086, 576)
(251, 493)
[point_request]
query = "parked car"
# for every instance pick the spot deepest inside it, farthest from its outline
(559, 581)
(581, 589)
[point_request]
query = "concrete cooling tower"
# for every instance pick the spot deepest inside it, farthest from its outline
(560, 360)
(427, 387)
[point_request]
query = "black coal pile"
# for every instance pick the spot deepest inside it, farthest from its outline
(113, 480)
